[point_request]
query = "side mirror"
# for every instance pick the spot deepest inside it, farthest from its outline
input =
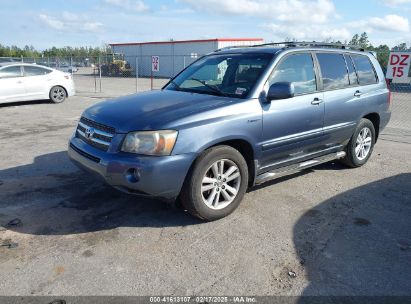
(280, 90)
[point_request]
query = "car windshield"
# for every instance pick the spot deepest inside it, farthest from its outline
(233, 75)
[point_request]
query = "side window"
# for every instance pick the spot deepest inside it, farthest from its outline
(352, 75)
(297, 69)
(10, 72)
(35, 71)
(365, 70)
(333, 70)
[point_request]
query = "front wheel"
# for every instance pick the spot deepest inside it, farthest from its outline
(58, 94)
(361, 144)
(216, 184)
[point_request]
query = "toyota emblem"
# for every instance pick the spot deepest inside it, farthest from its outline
(89, 132)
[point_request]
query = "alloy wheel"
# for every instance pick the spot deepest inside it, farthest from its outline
(58, 94)
(363, 143)
(220, 184)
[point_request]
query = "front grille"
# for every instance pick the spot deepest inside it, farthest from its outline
(95, 134)
(85, 154)
(97, 125)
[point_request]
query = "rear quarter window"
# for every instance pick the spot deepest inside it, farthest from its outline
(333, 70)
(351, 70)
(365, 70)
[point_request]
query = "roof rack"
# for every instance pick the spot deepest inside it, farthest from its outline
(289, 44)
(233, 47)
(312, 44)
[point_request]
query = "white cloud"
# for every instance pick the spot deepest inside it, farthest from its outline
(396, 3)
(306, 32)
(295, 19)
(388, 23)
(70, 16)
(52, 22)
(93, 26)
(69, 22)
(133, 5)
(312, 11)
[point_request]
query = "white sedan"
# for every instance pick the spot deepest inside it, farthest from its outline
(25, 82)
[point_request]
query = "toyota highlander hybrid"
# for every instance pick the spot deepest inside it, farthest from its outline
(236, 118)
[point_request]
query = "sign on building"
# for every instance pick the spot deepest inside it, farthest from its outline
(155, 63)
(398, 67)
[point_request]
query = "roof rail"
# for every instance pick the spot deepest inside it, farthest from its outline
(312, 44)
(288, 44)
(233, 47)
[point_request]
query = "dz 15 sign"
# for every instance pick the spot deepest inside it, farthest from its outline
(398, 66)
(155, 63)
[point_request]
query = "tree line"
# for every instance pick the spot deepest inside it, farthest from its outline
(30, 51)
(382, 50)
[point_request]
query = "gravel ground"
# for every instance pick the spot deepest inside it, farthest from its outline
(340, 231)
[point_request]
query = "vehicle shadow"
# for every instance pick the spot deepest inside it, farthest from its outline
(358, 243)
(24, 103)
(52, 197)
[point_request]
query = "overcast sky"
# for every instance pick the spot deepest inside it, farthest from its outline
(43, 23)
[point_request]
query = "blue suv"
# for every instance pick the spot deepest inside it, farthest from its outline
(236, 118)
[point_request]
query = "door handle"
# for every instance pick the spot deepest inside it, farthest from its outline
(316, 101)
(19, 81)
(357, 94)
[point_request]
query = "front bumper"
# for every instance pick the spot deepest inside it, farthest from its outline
(161, 176)
(71, 90)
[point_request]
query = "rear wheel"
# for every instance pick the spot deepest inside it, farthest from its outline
(361, 145)
(58, 94)
(216, 184)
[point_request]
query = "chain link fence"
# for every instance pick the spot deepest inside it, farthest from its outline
(114, 75)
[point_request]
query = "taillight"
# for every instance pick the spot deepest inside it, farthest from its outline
(387, 81)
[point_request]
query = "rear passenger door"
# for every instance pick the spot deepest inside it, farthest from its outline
(37, 81)
(292, 128)
(342, 96)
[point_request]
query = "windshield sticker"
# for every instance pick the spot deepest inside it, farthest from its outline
(240, 91)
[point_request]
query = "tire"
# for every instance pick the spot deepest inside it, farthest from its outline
(356, 155)
(201, 183)
(57, 94)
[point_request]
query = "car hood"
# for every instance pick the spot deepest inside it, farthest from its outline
(152, 110)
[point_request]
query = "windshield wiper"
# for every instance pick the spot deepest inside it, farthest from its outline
(211, 87)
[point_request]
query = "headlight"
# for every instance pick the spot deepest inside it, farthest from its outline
(150, 142)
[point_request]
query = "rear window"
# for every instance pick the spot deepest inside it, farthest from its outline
(35, 71)
(365, 70)
(333, 70)
(351, 71)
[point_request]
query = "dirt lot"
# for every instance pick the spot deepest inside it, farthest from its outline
(340, 231)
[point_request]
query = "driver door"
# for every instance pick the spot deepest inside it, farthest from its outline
(11, 84)
(293, 127)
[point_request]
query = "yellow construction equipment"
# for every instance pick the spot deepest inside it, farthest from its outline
(116, 66)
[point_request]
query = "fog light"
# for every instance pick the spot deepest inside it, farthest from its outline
(133, 175)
